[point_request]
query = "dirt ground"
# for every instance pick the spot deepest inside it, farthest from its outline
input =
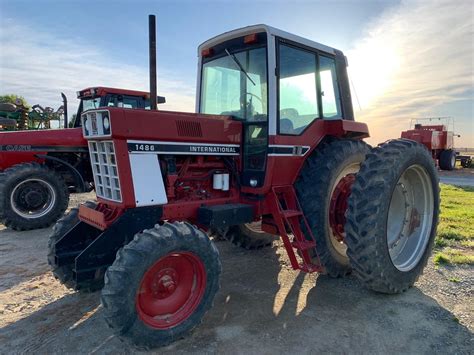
(263, 307)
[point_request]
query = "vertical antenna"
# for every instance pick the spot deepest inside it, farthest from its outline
(355, 92)
(152, 51)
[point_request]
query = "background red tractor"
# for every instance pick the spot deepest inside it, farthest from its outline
(437, 136)
(273, 142)
(39, 168)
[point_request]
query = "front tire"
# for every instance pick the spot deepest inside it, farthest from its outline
(161, 284)
(334, 163)
(31, 196)
(64, 225)
(393, 215)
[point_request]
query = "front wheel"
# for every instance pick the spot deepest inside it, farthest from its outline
(161, 284)
(393, 215)
(31, 196)
(64, 273)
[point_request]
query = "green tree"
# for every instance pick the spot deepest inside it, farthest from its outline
(14, 99)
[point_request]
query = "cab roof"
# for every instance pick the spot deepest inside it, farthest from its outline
(97, 91)
(271, 31)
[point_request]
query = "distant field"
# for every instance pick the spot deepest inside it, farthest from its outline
(455, 239)
(465, 151)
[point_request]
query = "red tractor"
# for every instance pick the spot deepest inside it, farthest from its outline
(38, 169)
(273, 143)
(438, 138)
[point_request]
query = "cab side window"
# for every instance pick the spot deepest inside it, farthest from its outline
(298, 99)
(330, 97)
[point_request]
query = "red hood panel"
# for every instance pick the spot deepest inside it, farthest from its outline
(50, 137)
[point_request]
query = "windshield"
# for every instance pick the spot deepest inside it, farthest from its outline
(90, 104)
(236, 85)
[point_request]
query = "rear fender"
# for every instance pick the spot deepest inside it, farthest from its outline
(78, 178)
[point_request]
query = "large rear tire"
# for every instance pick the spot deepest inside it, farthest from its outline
(31, 196)
(249, 236)
(161, 284)
(64, 225)
(326, 178)
(393, 215)
(447, 160)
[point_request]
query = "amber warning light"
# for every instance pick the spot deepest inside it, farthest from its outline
(249, 39)
(207, 52)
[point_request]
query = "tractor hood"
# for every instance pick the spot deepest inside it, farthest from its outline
(51, 138)
(24, 146)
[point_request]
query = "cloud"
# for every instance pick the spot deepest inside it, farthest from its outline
(39, 66)
(412, 62)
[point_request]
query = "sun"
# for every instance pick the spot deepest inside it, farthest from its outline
(373, 67)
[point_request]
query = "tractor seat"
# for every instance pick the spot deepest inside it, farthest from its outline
(287, 117)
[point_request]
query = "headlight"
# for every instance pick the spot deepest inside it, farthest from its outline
(106, 123)
(88, 124)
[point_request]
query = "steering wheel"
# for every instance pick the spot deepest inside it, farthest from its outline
(253, 95)
(247, 93)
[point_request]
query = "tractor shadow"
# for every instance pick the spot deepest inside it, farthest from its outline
(263, 307)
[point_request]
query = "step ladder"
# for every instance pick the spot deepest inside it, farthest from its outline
(289, 218)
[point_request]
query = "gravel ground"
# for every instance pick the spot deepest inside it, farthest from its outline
(263, 307)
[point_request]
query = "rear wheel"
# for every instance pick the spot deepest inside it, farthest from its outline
(249, 236)
(393, 215)
(323, 188)
(161, 284)
(31, 196)
(447, 159)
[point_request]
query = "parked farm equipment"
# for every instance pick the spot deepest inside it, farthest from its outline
(38, 168)
(273, 142)
(437, 136)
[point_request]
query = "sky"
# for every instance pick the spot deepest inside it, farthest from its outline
(407, 59)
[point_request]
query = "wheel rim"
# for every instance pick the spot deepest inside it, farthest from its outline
(410, 218)
(338, 205)
(33, 198)
(453, 160)
(171, 290)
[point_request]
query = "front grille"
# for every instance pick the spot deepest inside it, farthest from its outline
(104, 168)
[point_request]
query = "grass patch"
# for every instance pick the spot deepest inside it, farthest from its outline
(454, 279)
(453, 256)
(455, 237)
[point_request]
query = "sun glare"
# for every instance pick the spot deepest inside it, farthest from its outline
(373, 66)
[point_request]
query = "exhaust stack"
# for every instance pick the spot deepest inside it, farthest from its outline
(65, 110)
(152, 51)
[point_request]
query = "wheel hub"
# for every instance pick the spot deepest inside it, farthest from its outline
(171, 289)
(338, 205)
(33, 198)
(164, 283)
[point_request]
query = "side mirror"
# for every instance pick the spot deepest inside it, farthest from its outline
(160, 100)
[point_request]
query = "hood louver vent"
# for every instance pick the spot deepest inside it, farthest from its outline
(189, 129)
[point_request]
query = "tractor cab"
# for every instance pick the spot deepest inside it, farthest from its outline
(283, 88)
(95, 97)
